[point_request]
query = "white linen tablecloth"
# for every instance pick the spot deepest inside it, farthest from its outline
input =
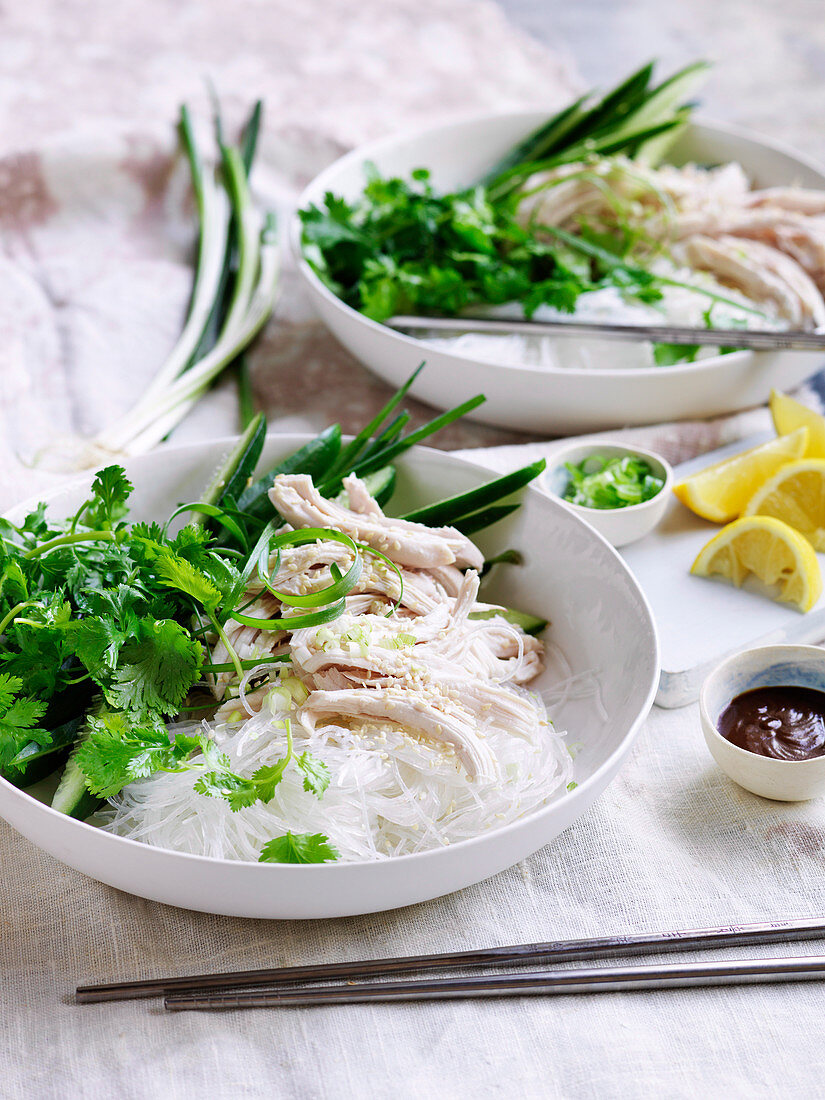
(672, 843)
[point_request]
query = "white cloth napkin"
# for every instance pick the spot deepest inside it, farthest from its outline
(93, 277)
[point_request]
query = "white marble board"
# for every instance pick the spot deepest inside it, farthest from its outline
(701, 621)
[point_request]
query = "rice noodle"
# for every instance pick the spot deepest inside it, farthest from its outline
(391, 793)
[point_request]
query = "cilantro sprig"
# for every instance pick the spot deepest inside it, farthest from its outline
(299, 848)
(241, 792)
(19, 718)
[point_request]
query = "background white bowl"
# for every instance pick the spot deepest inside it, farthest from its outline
(560, 401)
(600, 619)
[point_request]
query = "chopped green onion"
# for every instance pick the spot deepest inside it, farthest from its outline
(619, 482)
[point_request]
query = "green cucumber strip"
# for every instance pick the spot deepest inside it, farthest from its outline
(315, 459)
(388, 436)
(72, 796)
(477, 521)
(653, 151)
(530, 624)
(237, 467)
(665, 100)
(454, 508)
(535, 145)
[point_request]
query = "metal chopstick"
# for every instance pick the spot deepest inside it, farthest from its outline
(754, 340)
(559, 951)
(610, 979)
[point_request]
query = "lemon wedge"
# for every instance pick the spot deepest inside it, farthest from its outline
(789, 415)
(769, 549)
(720, 492)
(796, 495)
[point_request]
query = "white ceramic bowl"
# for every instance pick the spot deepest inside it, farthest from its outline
(558, 401)
(619, 526)
(767, 666)
(600, 620)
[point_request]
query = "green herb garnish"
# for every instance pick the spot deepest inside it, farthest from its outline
(602, 482)
(299, 848)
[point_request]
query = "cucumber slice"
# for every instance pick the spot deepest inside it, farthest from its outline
(530, 624)
(665, 100)
(237, 468)
(72, 797)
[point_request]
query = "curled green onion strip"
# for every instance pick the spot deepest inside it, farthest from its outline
(293, 622)
(341, 585)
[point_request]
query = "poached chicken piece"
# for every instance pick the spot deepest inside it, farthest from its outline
(768, 244)
(407, 654)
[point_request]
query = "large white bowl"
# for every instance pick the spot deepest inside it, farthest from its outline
(554, 400)
(600, 619)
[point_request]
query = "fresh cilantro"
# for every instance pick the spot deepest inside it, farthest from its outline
(241, 791)
(401, 248)
(156, 668)
(110, 491)
(177, 572)
(317, 775)
(118, 749)
(13, 584)
(299, 848)
(602, 482)
(19, 717)
(666, 355)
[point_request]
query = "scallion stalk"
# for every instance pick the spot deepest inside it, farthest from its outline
(232, 231)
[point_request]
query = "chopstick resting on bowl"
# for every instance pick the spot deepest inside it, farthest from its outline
(746, 339)
(559, 951)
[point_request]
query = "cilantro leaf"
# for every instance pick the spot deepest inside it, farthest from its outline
(117, 749)
(299, 848)
(110, 491)
(240, 791)
(177, 572)
(97, 642)
(13, 585)
(156, 668)
(19, 716)
(317, 775)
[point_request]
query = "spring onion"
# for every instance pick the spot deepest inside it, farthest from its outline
(234, 292)
(603, 482)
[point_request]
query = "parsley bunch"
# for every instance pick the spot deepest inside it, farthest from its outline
(402, 248)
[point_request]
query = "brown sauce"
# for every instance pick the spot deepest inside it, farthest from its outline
(787, 723)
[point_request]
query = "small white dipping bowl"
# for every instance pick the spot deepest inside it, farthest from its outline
(618, 525)
(768, 666)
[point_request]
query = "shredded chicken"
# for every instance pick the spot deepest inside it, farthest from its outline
(407, 654)
(411, 544)
(778, 262)
(763, 273)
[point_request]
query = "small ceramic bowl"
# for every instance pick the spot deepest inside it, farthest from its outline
(618, 525)
(768, 666)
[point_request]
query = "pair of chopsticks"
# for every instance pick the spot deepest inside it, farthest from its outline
(265, 988)
(754, 340)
